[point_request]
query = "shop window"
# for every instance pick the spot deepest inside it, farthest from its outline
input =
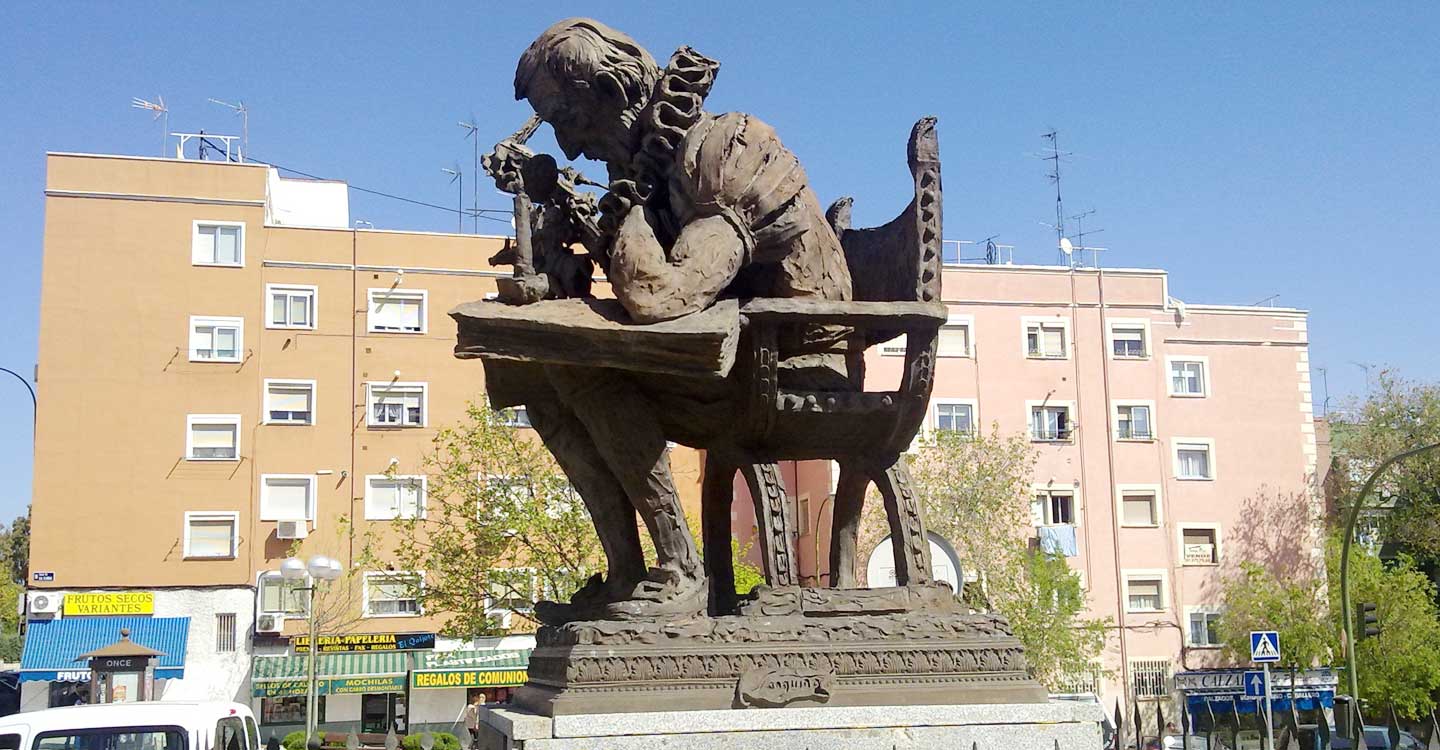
(397, 310)
(289, 710)
(217, 243)
(216, 339)
(290, 306)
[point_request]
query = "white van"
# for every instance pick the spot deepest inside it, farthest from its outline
(157, 725)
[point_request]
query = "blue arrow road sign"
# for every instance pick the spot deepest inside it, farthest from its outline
(1255, 684)
(1264, 646)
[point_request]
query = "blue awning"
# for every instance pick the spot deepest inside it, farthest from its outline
(52, 645)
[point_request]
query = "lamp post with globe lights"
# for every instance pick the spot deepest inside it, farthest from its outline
(319, 569)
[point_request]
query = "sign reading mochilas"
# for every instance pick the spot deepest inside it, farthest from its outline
(110, 603)
(334, 644)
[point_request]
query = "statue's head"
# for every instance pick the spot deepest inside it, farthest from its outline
(590, 82)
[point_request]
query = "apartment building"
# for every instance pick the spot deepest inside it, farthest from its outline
(1174, 440)
(228, 368)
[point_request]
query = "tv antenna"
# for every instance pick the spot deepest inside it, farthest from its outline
(160, 110)
(1054, 157)
(473, 131)
(457, 175)
(1080, 234)
(244, 113)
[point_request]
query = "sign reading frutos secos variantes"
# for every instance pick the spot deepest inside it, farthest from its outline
(110, 603)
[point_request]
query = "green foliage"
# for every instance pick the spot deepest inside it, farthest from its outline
(747, 576)
(293, 741)
(15, 548)
(443, 741)
(1255, 598)
(976, 493)
(1401, 666)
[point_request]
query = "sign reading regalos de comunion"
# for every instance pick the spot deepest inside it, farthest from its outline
(461, 678)
(110, 603)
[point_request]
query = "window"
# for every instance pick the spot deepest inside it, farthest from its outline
(1045, 339)
(509, 590)
(1204, 630)
(392, 594)
(1194, 458)
(1145, 591)
(802, 510)
(290, 306)
(388, 498)
(212, 437)
(216, 339)
(1053, 507)
(1050, 422)
(1200, 545)
(1139, 506)
(1128, 340)
(397, 311)
(955, 337)
(515, 416)
(225, 633)
(289, 401)
(229, 734)
(396, 405)
(287, 497)
(955, 417)
(212, 535)
(218, 243)
(129, 738)
(289, 710)
(1152, 678)
(1187, 377)
(278, 596)
(894, 347)
(1133, 421)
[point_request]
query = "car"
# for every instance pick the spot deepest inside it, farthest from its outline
(147, 725)
(1177, 742)
(1378, 738)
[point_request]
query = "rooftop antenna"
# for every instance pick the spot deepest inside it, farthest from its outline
(244, 112)
(1080, 233)
(1054, 158)
(1366, 367)
(472, 131)
(160, 110)
(1325, 386)
(456, 174)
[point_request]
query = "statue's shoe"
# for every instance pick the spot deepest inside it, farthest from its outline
(672, 598)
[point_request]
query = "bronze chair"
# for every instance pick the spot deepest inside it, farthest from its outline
(896, 275)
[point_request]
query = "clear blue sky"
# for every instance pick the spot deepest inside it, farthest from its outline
(1290, 149)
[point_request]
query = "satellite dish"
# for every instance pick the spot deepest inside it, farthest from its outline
(1066, 246)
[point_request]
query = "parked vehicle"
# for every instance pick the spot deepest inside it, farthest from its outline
(149, 725)
(1378, 738)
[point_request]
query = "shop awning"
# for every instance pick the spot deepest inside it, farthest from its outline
(467, 669)
(52, 646)
(334, 673)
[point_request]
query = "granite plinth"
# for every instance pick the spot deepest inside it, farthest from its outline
(1041, 726)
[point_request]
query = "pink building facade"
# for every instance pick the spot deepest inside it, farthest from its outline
(1175, 441)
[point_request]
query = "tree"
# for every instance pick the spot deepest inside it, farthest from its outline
(16, 548)
(976, 492)
(1255, 598)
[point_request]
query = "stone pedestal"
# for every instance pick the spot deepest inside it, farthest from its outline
(1058, 725)
(781, 652)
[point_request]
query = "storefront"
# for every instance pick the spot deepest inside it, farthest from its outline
(447, 681)
(105, 658)
(1219, 702)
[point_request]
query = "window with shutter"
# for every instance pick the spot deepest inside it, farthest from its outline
(212, 437)
(388, 498)
(216, 339)
(1187, 377)
(396, 405)
(291, 306)
(217, 244)
(1138, 509)
(210, 534)
(392, 594)
(290, 402)
(1193, 461)
(287, 497)
(1144, 594)
(397, 311)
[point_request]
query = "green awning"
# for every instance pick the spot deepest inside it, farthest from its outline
(383, 664)
(471, 669)
(494, 659)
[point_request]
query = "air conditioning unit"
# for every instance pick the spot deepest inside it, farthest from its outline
(44, 602)
(271, 624)
(292, 530)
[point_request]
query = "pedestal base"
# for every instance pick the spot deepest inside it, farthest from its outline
(1058, 725)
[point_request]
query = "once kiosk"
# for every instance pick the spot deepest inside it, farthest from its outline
(122, 672)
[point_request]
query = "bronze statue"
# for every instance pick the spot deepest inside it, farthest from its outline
(741, 315)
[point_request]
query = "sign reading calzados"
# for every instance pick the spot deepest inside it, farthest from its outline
(335, 644)
(110, 603)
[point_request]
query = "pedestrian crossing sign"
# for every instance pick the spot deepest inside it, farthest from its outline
(1264, 646)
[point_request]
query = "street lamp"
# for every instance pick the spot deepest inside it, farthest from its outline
(318, 570)
(1345, 625)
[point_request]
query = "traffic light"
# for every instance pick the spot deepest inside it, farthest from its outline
(1369, 621)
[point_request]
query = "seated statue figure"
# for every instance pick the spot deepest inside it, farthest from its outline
(700, 207)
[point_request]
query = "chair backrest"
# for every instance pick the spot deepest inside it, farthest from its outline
(900, 260)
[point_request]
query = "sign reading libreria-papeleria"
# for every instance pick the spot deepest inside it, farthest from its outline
(333, 644)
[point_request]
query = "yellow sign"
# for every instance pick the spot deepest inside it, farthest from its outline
(110, 603)
(455, 678)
